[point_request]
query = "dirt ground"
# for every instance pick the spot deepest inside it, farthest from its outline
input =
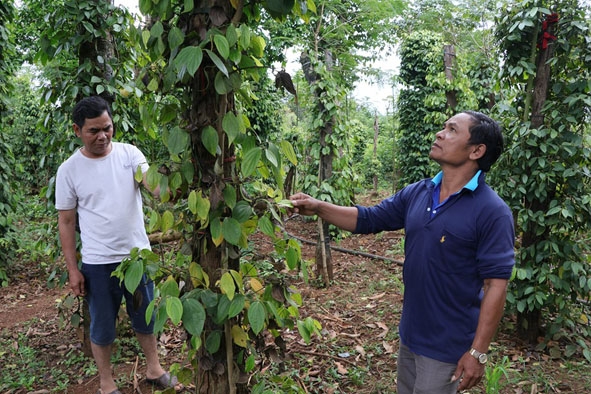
(358, 312)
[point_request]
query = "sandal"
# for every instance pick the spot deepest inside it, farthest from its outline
(164, 382)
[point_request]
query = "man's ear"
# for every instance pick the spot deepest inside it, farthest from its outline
(76, 130)
(478, 151)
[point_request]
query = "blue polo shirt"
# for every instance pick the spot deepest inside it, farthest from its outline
(450, 248)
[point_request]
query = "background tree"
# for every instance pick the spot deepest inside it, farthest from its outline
(420, 54)
(547, 61)
(7, 199)
(338, 44)
(463, 34)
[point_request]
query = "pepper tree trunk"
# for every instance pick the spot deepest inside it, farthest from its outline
(529, 322)
(215, 372)
(449, 57)
(324, 266)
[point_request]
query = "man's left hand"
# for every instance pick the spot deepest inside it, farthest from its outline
(470, 371)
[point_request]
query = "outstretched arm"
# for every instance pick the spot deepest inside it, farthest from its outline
(342, 217)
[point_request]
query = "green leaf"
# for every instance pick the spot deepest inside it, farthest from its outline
(242, 211)
(250, 161)
(250, 363)
(231, 126)
(154, 221)
(139, 175)
(212, 342)
(193, 316)
(231, 35)
(157, 29)
(222, 311)
(266, 226)
(279, 7)
(188, 171)
(170, 287)
(222, 84)
(203, 206)
(230, 196)
(289, 152)
(175, 181)
(270, 155)
(304, 332)
(218, 62)
(237, 305)
(133, 275)
(222, 45)
(167, 221)
(239, 336)
(192, 202)
(145, 6)
(175, 38)
(189, 58)
(292, 258)
(161, 318)
(178, 140)
(88, 26)
(258, 44)
(145, 36)
(153, 85)
(215, 229)
(231, 230)
(210, 139)
(189, 5)
(257, 316)
(244, 36)
(174, 309)
(227, 285)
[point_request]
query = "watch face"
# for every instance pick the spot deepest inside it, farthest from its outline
(482, 358)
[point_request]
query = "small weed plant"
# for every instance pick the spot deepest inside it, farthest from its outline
(493, 375)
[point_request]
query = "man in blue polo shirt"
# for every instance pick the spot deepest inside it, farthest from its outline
(458, 257)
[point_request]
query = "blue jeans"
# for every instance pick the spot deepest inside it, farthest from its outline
(104, 294)
(422, 375)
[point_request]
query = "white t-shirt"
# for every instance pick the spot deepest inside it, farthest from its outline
(108, 201)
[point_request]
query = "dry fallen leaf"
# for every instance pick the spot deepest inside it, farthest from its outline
(389, 349)
(377, 296)
(359, 349)
(340, 369)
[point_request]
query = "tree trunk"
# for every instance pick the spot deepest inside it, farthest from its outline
(215, 372)
(376, 131)
(324, 266)
(100, 47)
(449, 57)
(530, 322)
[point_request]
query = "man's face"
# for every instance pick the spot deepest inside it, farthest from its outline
(451, 144)
(96, 136)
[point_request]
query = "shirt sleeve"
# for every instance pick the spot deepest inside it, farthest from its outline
(496, 253)
(65, 195)
(388, 215)
(138, 159)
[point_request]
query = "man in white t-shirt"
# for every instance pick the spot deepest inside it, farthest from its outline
(96, 188)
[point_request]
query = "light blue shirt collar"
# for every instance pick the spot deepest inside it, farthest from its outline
(471, 185)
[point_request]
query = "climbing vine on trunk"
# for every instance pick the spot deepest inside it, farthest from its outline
(546, 59)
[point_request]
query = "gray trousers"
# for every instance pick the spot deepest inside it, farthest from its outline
(422, 375)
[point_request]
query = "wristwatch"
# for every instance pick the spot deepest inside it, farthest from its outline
(481, 357)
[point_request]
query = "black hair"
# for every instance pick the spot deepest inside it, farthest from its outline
(90, 108)
(487, 131)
